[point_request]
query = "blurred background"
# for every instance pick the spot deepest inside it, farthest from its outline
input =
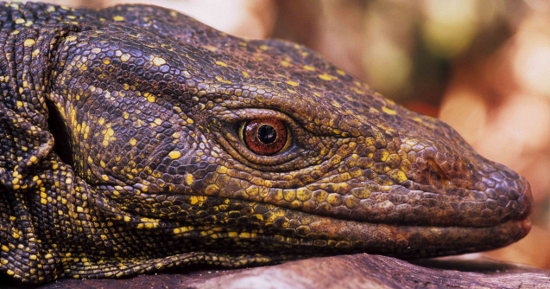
(481, 66)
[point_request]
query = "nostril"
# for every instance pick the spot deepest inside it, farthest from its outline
(428, 172)
(439, 173)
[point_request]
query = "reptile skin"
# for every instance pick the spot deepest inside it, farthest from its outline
(122, 152)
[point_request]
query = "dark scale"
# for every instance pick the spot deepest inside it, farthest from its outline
(134, 139)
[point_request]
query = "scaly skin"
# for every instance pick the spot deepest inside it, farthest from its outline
(149, 169)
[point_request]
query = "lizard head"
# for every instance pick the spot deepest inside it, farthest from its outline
(267, 146)
(134, 138)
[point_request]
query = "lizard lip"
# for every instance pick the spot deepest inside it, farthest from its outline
(526, 199)
(435, 241)
(526, 226)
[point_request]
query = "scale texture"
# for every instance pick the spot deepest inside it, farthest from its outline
(134, 139)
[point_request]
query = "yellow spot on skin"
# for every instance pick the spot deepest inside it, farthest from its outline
(398, 177)
(325, 76)
(174, 155)
(285, 63)
(133, 141)
(20, 21)
(101, 121)
(263, 47)
(388, 111)
(126, 219)
(220, 79)
(293, 83)
(29, 42)
(5, 248)
(125, 57)
(307, 67)
(158, 121)
(341, 72)
(211, 48)
(106, 61)
(417, 119)
(222, 170)
(158, 61)
(189, 179)
(105, 177)
(359, 91)
(246, 74)
(193, 200)
(151, 98)
(96, 50)
(221, 63)
(118, 18)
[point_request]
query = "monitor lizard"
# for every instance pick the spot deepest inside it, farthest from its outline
(135, 138)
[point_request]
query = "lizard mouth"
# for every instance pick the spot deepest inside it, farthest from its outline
(304, 232)
(426, 241)
(296, 229)
(267, 220)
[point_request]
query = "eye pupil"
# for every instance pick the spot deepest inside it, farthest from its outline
(267, 134)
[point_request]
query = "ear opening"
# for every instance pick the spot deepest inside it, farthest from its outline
(60, 132)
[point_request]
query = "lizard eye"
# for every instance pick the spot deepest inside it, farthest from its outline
(266, 136)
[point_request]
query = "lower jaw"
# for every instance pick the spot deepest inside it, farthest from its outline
(338, 235)
(332, 237)
(421, 241)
